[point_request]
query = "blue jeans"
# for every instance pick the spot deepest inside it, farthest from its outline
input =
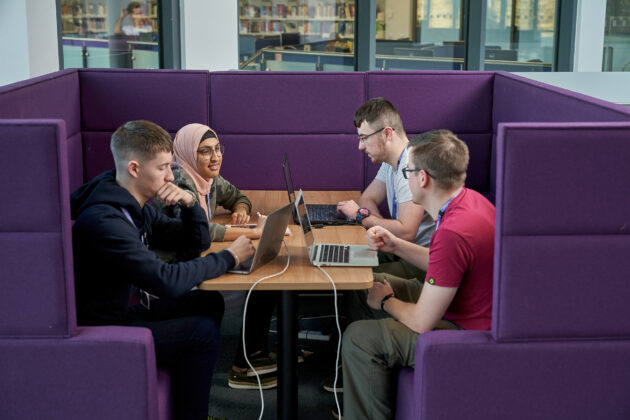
(187, 342)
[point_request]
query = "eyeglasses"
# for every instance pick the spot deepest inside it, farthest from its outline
(207, 152)
(364, 137)
(406, 171)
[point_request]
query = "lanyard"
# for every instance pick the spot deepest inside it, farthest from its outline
(145, 297)
(443, 209)
(143, 238)
(394, 200)
(208, 204)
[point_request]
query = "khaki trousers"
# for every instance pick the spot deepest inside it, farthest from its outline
(373, 351)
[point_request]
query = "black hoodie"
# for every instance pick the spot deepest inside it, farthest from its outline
(110, 254)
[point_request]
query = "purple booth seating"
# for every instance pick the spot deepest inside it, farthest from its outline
(560, 341)
(49, 367)
(540, 335)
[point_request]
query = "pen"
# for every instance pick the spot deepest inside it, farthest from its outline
(247, 226)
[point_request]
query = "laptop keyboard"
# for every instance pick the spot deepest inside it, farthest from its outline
(322, 212)
(333, 253)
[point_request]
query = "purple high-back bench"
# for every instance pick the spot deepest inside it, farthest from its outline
(559, 347)
(260, 116)
(49, 367)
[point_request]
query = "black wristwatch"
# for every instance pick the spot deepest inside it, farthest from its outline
(362, 213)
(391, 295)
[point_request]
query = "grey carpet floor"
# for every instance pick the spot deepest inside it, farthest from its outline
(313, 401)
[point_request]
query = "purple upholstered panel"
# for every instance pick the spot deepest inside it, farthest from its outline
(97, 156)
(35, 244)
(464, 375)
(165, 395)
(75, 161)
(170, 98)
(460, 102)
(405, 403)
(255, 161)
(539, 102)
(101, 373)
(563, 231)
(54, 95)
(286, 103)
(564, 178)
(570, 286)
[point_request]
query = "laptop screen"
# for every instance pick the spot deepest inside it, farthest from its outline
(287, 178)
(305, 222)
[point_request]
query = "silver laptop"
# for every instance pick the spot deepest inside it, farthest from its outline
(270, 241)
(332, 254)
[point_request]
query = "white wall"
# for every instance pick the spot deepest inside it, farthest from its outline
(589, 35)
(28, 39)
(209, 34)
(609, 86)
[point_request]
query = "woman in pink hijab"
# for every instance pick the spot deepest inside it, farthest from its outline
(198, 155)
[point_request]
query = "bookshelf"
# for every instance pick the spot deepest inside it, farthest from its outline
(317, 19)
(93, 19)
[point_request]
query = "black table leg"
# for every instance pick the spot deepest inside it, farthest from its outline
(287, 356)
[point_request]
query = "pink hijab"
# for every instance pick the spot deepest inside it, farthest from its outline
(185, 148)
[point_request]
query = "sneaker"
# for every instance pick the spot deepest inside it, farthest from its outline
(269, 363)
(329, 383)
(263, 364)
(238, 380)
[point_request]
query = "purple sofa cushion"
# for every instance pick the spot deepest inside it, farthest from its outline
(35, 243)
(100, 373)
(540, 102)
(169, 98)
(318, 162)
(52, 96)
(562, 233)
(460, 102)
(465, 375)
(286, 103)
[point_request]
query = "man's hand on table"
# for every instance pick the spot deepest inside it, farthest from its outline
(243, 248)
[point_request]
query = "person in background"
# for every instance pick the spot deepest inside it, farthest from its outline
(198, 155)
(137, 22)
(113, 231)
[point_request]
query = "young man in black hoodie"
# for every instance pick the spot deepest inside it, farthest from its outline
(113, 234)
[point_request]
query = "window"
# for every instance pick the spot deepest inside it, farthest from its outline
(420, 34)
(617, 36)
(102, 33)
(520, 34)
(296, 35)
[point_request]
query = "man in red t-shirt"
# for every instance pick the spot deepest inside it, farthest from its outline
(457, 292)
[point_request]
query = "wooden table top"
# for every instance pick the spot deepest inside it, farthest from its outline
(300, 275)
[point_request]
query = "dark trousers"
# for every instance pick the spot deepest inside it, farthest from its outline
(187, 342)
(259, 312)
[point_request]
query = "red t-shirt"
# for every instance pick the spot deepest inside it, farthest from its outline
(461, 255)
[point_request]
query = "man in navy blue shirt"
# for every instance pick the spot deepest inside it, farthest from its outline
(113, 235)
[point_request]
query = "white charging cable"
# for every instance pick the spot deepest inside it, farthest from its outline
(338, 342)
(262, 399)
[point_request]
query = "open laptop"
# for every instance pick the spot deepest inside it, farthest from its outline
(324, 214)
(270, 241)
(332, 254)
